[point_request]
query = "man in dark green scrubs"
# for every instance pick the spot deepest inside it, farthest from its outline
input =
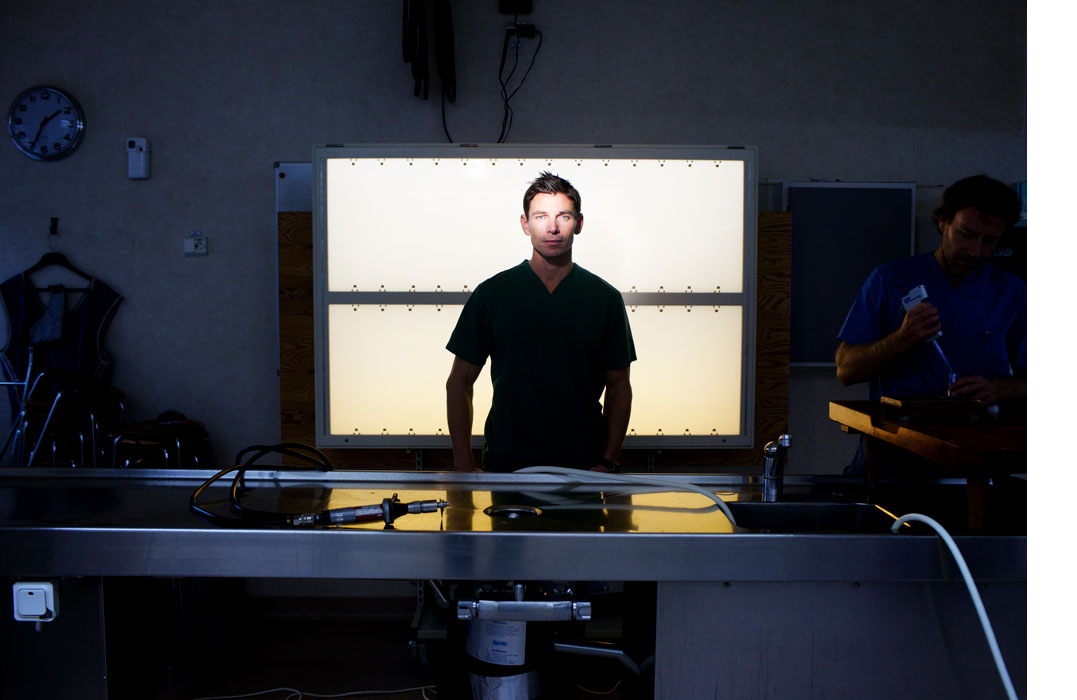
(557, 336)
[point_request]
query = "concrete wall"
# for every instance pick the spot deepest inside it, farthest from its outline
(924, 91)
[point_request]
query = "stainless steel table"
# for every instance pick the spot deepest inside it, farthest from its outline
(727, 595)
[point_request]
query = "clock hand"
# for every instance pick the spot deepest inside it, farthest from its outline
(44, 121)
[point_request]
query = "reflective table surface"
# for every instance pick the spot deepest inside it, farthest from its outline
(104, 522)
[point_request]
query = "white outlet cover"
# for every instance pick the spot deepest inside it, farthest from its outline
(34, 601)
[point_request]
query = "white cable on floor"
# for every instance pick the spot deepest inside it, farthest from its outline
(988, 631)
(294, 694)
(633, 479)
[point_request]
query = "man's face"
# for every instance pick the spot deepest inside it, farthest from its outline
(552, 223)
(968, 240)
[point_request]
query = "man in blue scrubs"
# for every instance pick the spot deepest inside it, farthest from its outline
(980, 309)
(557, 337)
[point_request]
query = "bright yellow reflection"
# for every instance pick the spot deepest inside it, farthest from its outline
(611, 511)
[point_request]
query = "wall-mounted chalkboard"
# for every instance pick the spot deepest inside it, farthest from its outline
(841, 231)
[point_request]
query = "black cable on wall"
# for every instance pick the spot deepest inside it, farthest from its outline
(416, 53)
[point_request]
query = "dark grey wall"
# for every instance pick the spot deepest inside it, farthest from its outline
(924, 91)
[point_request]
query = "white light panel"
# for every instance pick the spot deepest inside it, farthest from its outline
(449, 223)
(387, 370)
(388, 366)
(687, 380)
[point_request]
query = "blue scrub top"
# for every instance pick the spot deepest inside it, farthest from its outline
(984, 325)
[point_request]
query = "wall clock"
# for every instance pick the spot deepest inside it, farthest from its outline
(46, 123)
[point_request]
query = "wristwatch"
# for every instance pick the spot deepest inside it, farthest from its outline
(611, 465)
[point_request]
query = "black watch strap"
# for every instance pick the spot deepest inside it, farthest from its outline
(610, 464)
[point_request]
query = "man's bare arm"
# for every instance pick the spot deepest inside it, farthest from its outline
(859, 363)
(459, 399)
(617, 409)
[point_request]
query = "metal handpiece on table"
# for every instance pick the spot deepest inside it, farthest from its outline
(774, 467)
(389, 510)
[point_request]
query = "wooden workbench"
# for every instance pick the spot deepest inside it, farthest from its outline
(975, 450)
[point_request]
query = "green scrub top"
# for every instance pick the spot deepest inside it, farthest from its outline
(549, 353)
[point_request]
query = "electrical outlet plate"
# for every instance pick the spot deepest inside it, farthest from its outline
(195, 245)
(138, 158)
(35, 601)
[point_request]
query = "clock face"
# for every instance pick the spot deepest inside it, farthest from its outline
(46, 123)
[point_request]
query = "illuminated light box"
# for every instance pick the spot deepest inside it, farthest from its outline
(404, 233)
(409, 358)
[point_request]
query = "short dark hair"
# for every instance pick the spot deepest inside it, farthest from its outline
(548, 183)
(987, 195)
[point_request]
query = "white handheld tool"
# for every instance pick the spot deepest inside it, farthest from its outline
(910, 301)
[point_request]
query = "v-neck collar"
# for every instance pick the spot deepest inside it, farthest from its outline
(970, 278)
(550, 292)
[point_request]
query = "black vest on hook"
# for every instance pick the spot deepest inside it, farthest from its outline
(70, 340)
